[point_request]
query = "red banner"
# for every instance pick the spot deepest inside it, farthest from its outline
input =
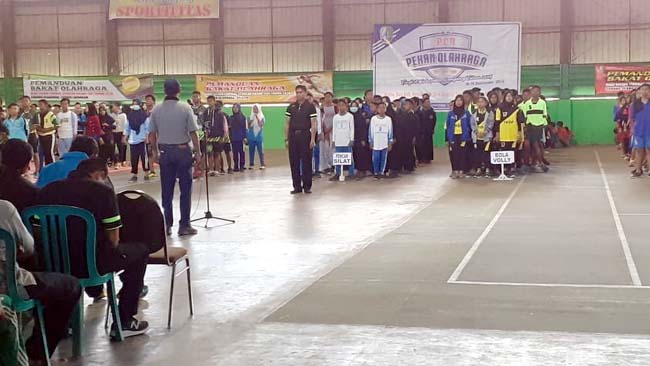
(611, 79)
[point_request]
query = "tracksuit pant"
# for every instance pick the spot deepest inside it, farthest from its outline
(458, 154)
(239, 156)
(253, 145)
(46, 144)
(139, 153)
(379, 158)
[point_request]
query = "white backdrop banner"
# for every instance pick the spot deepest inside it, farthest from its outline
(443, 60)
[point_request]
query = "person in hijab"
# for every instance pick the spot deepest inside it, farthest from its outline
(424, 147)
(238, 125)
(493, 98)
(459, 129)
(256, 123)
(106, 142)
(361, 152)
(136, 133)
(508, 134)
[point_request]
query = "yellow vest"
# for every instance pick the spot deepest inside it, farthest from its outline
(508, 128)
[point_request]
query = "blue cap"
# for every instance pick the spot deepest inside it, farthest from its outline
(172, 87)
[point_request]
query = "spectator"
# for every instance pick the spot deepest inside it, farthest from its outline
(93, 123)
(46, 130)
(16, 125)
(81, 119)
(86, 188)
(57, 292)
(106, 142)
(118, 134)
(82, 148)
(16, 156)
(256, 123)
(238, 135)
(67, 126)
(28, 112)
(136, 134)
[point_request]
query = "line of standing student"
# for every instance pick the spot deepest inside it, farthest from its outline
(385, 139)
(632, 118)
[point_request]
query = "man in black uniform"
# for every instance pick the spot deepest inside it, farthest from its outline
(424, 147)
(300, 136)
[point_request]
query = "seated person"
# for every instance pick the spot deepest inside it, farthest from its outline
(57, 292)
(86, 188)
(82, 148)
(15, 159)
(564, 134)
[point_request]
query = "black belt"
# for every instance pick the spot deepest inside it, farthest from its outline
(299, 131)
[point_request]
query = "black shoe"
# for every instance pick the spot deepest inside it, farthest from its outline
(229, 171)
(334, 178)
(186, 230)
(236, 170)
(168, 231)
(131, 328)
(296, 191)
(307, 191)
(143, 292)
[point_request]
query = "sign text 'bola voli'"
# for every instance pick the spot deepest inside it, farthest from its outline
(445, 56)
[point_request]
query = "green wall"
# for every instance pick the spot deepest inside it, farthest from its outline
(591, 120)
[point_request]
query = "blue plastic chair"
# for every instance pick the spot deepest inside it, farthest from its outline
(53, 222)
(14, 301)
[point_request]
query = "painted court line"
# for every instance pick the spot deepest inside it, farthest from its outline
(631, 266)
(481, 238)
(550, 285)
(633, 214)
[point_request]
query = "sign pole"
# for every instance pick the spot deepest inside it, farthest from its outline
(503, 158)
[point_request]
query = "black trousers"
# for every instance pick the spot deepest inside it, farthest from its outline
(458, 154)
(107, 151)
(300, 159)
(47, 148)
(121, 146)
(403, 157)
(132, 258)
(480, 157)
(59, 293)
(139, 153)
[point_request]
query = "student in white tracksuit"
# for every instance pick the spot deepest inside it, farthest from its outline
(380, 136)
(343, 136)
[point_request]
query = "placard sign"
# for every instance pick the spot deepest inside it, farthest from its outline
(502, 157)
(343, 158)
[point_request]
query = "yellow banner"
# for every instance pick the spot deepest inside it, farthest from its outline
(163, 9)
(262, 88)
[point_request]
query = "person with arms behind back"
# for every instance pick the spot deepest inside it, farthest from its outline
(172, 128)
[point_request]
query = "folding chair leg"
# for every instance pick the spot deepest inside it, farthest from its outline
(41, 322)
(112, 300)
(78, 328)
(171, 298)
(108, 310)
(189, 286)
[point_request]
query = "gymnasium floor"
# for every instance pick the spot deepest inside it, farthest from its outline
(546, 270)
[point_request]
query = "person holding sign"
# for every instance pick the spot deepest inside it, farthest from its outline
(484, 125)
(460, 127)
(343, 136)
(380, 136)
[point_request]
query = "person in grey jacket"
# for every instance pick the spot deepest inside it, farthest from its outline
(482, 135)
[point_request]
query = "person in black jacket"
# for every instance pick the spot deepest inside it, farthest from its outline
(361, 149)
(424, 147)
(406, 131)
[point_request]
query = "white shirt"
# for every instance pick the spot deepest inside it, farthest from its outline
(343, 130)
(380, 132)
(120, 121)
(67, 124)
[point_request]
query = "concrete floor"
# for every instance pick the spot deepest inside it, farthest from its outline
(417, 271)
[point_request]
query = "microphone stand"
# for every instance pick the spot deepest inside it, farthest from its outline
(207, 215)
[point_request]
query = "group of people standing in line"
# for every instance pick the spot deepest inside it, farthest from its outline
(632, 131)
(390, 137)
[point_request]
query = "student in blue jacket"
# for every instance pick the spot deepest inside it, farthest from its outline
(460, 127)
